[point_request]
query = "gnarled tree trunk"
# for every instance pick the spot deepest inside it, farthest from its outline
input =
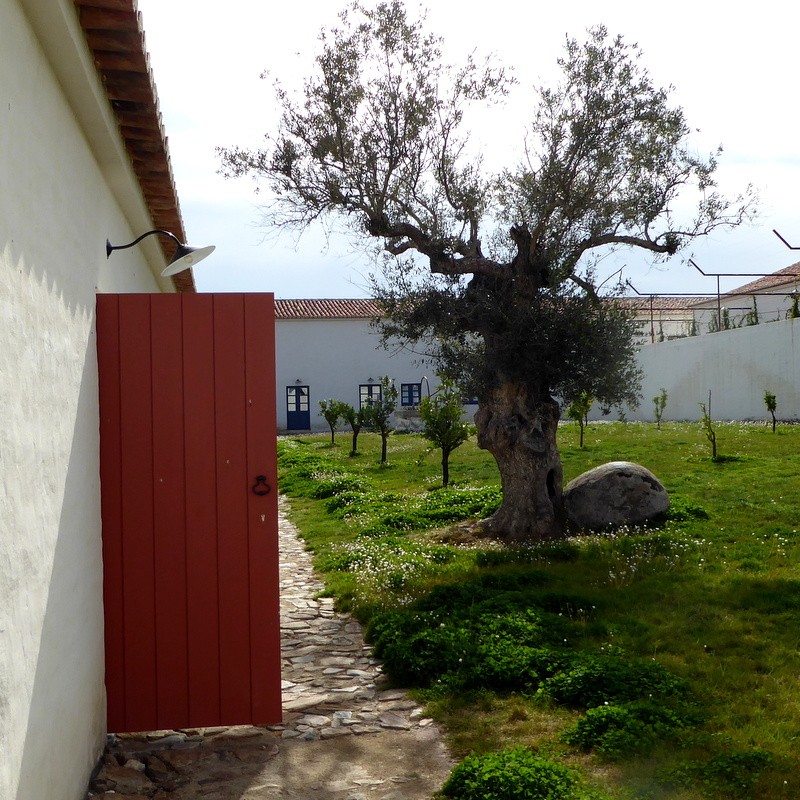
(519, 430)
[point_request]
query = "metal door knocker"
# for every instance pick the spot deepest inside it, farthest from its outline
(261, 487)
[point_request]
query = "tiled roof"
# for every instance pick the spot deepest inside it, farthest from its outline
(786, 279)
(326, 309)
(368, 309)
(788, 276)
(114, 34)
(783, 281)
(660, 303)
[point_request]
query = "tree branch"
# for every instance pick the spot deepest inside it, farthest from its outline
(586, 286)
(668, 247)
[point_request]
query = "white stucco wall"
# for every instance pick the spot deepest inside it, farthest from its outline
(737, 366)
(664, 325)
(332, 357)
(56, 209)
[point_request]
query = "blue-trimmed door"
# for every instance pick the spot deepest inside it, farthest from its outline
(298, 410)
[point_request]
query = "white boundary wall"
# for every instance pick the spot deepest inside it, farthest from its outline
(66, 186)
(736, 365)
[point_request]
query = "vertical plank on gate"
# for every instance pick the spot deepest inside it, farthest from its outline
(111, 508)
(232, 489)
(265, 661)
(202, 587)
(136, 450)
(169, 529)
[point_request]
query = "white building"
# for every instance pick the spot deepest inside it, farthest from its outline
(663, 318)
(329, 349)
(82, 158)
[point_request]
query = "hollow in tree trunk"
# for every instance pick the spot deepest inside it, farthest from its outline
(519, 430)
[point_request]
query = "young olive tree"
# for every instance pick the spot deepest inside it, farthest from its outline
(771, 402)
(378, 414)
(659, 404)
(578, 410)
(707, 423)
(331, 410)
(444, 427)
(494, 268)
(356, 419)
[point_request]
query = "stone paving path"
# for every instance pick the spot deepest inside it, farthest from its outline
(343, 736)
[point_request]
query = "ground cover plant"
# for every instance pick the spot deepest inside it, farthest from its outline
(514, 774)
(652, 663)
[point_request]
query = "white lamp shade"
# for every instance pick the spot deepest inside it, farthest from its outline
(186, 257)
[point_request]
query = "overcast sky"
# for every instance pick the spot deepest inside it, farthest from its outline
(735, 72)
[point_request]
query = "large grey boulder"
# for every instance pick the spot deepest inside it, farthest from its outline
(614, 494)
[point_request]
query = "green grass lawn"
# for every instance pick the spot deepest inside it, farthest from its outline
(660, 663)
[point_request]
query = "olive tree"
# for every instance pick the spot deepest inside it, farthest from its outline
(579, 410)
(378, 414)
(332, 411)
(497, 268)
(356, 419)
(443, 426)
(771, 403)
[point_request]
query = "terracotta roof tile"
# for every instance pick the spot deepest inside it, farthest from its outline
(660, 303)
(788, 276)
(326, 309)
(783, 281)
(115, 37)
(368, 309)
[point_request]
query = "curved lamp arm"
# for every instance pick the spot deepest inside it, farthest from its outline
(183, 258)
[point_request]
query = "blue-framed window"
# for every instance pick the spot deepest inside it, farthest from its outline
(410, 394)
(368, 393)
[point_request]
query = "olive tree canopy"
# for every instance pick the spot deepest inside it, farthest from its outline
(495, 267)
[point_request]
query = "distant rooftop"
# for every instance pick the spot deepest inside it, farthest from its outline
(781, 282)
(660, 303)
(788, 276)
(369, 309)
(326, 309)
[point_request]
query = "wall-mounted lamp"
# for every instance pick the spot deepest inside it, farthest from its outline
(370, 380)
(183, 258)
(298, 381)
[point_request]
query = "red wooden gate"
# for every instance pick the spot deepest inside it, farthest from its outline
(190, 555)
